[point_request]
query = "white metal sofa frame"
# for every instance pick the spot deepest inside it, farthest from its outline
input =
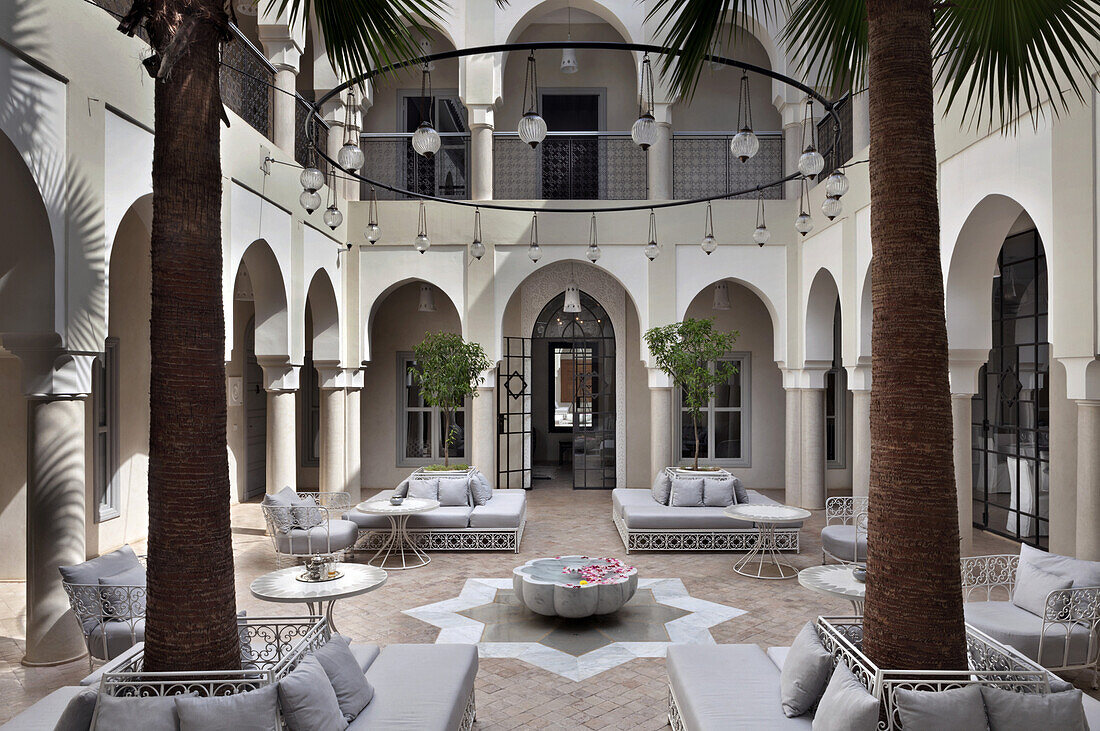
(116, 604)
(332, 504)
(699, 539)
(846, 511)
(448, 539)
(1064, 608)
(991, 663)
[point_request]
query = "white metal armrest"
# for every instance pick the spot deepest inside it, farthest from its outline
(988, 574)
(336, 500)
(844, 510)
(1079, 605)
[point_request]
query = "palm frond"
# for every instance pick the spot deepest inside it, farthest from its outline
(828, 40)
(1003, 58)
(693, 26)
(361, 35)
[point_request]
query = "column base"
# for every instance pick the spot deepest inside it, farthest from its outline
(51, 663)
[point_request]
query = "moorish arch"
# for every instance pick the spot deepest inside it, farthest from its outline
(325, 314)
(268, 294)
(821, 303)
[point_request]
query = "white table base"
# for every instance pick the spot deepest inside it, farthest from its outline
(400, 544)
(765, 555)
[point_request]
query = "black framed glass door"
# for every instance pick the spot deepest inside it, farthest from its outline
(514, 415)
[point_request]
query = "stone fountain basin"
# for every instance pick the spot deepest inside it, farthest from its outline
(542, 587)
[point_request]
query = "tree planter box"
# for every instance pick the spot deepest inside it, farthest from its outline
(688, 472)
(422, 473)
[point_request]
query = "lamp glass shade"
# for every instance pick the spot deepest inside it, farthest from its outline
(761, 235)
(810, 163)
(350, 157)
(721, 296)
(652, 251)
(333, 217)
(644, 132)
(427, 299)
(709, 244)
(593, 253)
(373, 232)
(532, 129)
(744, 145)
(568, 61)
(831, 207)
(425, 140)
(572, 298)
(477, 249)
(804, 224)
(423, 243)
(310, 200)
(836, 184)
(311, 179)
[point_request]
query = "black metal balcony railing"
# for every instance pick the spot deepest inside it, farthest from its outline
(702, 165)
(391, 159)
(247, 82)
(569, 166)
(837, 149)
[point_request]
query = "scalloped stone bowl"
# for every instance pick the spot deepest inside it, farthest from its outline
(544, 589)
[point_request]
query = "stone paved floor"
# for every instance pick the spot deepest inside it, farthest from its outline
(510, 693)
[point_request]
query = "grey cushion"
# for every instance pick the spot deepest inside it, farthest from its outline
(505, 510)
(1020, 628)
(421, 687)
(305, 512)
(120, 597)
(44, 715)
(121, 635)
(452, 517)
(958, 708)
(308, 700)
(364, 655)
(687, 492)
(424, 488)
(718, 492)
(105, 565)
(778, 655)
(454, 491)
(1011, 711)
(78, 712)
(480, 490)
(1092, 711)
(1033, 584)
(280, 505)
(622, 496)
(847, 706)
(1083, 573)
(402, 488)
(805, 672)
(723, 687)
(341, 534)
(661, 517)
(840, 541)
(353, 692)
(148, 713)
(662, 487)
(254, 710)
(739, 490)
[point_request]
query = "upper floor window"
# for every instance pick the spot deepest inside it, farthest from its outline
(105, 384)
(836, 403)
(724, 429)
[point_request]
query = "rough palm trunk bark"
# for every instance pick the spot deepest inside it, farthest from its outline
(914, 615)
(191, 615)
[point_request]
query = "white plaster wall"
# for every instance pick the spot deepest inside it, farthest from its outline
(128, 164)
(13, 470)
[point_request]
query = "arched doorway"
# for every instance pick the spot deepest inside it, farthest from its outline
(255, 415)
(1011, 411)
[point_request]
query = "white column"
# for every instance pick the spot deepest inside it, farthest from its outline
(481, 151)
(813, 448)
(332, 475)
(483, 445)
(660, 155)
(353, 453)
(660, 422)
(281, 383)
(861, 122)
(1088, 480)
(284, 52)
(792, 115)
(861, 443)
(792, 471)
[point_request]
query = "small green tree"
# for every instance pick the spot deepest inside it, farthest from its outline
(685, 350)
(447, 370)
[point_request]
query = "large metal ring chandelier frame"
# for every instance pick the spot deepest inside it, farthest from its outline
(311, 119)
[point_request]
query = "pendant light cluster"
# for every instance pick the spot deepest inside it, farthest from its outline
(644, 132)
(425, 140)
(532, 127)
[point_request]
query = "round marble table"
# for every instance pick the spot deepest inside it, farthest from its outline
(837, 581)
(764, 554)
(283, 586)
(399, 544)
(545, 587)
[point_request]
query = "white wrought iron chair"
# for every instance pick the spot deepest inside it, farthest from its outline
(844, 537)
(1066, 637)
(112, 618)
(328, 532)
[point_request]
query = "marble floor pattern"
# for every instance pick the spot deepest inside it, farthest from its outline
(488, 613)
(511, 693)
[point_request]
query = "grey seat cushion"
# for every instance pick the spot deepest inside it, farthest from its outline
(712, 696)
(778, 655)
(847, 706)
(840, 541)
(340, 534)
(419, 688)
(450, 517)
(1033, 585)
(353, 692)
(1010, 711)
(805, 673)
(307, 699)
(1008, 623)
(123, 593)
(1092, 711)
(505, 510)
(121, 636)
(44, 715)
(663, 517)
(622, 496)
(364, 655)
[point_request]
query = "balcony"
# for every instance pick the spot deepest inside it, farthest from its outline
(572, 166)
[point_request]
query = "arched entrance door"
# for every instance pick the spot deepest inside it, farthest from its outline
(255, 403)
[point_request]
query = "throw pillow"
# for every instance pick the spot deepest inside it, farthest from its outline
(308, 700)
(353, 692)
(1011, 711)
(687, 492)
(1083, 573)
(739, 491)
(454, 491)
(718, 492)
(149, 713)
(306, 513)
(428, 488)
(402, 489)
(805, 673)
(253, 710)
(846, 704)
(281, 503)
(88, 573)
(958, 708)
(662, 487)
(480, 489)
(78, 712)
(120, 597)
(1033, 584)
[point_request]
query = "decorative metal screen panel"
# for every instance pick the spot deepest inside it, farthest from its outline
(702, 165)
(247, 82)
(836, 148)
(392, 160)
(515, 169)
(570, 167)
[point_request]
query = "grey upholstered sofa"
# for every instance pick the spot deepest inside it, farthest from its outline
(107, 596)
(492, 520)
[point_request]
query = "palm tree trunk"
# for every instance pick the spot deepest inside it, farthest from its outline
(191, 615)
(914, 617)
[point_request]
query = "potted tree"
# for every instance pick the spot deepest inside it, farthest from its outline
(447, 371)
(685, 350)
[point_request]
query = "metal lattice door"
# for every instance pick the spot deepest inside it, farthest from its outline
(594, 416)
(514, 415)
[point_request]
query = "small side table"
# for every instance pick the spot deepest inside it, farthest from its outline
(399, 543)
(837, 581)
(765, 555)
(282, 586)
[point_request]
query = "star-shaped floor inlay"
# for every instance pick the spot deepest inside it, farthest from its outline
(488, 613)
